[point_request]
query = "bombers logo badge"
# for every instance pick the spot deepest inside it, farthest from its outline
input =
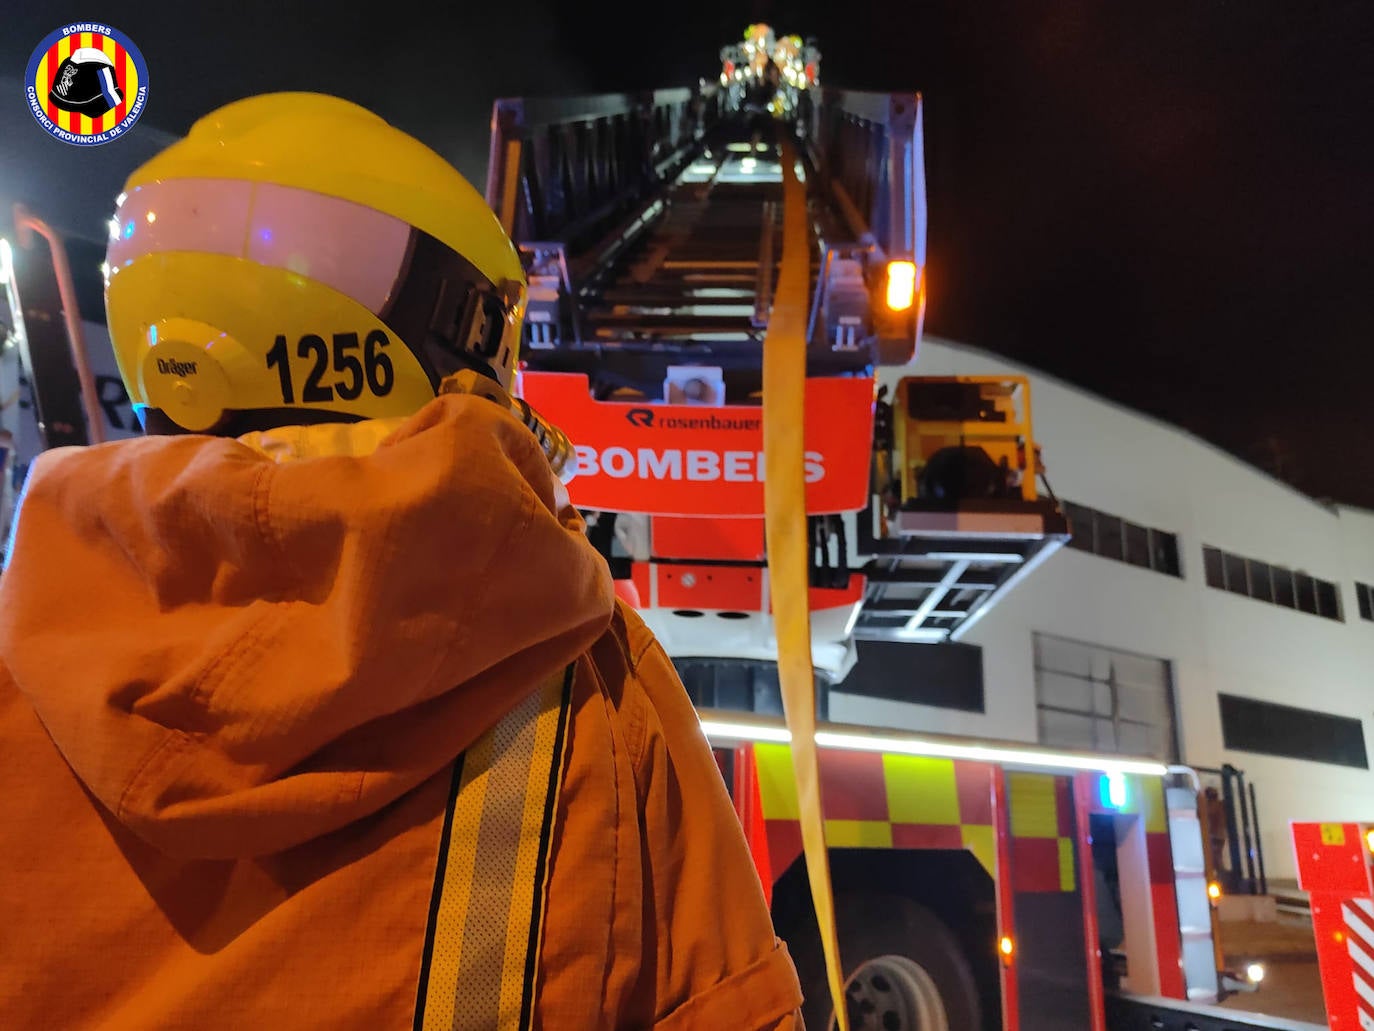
(87, 83)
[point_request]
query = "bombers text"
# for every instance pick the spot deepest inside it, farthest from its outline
(645, 463)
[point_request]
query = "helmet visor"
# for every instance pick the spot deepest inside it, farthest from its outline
(445, 310)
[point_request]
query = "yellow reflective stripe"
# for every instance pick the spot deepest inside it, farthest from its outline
(1034, 808)
(921, 790)
(982, 842)
(525, 925)
(777, 782)
(460, 848)
(1066, 864)
(480, 963)
(1150, 790)
(788, 545)
(858, 833)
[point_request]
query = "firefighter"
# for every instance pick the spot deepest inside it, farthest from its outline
(1214, 817)
(316, 706)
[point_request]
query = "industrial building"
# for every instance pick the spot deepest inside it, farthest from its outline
(1203, 613)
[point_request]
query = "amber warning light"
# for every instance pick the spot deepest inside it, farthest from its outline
(901, 285)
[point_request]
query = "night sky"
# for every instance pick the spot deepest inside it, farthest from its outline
(1171, 204)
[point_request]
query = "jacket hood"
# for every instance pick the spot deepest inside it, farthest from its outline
(240, 645)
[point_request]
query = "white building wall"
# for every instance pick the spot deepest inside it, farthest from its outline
(1109, 458)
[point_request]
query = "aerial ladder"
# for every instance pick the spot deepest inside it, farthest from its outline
(712, 294)
(653, 226)
(725, 308)
(726, 299)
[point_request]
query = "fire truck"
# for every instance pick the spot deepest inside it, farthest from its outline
(724, 317)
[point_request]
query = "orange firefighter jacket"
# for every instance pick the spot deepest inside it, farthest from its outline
(235, 677)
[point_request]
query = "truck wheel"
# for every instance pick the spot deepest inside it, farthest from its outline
(905, 971)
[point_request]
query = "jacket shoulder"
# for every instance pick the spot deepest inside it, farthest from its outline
(633, 669)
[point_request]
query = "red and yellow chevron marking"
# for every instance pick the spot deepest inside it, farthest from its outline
(881, 800)
(1042, 832)
(888, 800)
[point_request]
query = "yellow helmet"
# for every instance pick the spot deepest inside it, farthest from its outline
(295, 259)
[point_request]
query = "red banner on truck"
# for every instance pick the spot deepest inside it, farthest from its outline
(691, 460)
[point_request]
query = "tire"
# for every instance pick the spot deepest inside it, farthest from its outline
(897, 957)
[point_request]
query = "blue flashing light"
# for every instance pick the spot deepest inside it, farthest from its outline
(1112, 789)
(265, 235)
(129, 231)
(152, 336)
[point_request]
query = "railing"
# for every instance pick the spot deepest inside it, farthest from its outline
(869, 149)
(53, 351)
(578, 181)
(559, 167)
(562, 170)
(1243, 872)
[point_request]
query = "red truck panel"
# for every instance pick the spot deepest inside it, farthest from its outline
(664, 459)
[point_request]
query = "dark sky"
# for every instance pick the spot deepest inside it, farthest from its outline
(1169, 203)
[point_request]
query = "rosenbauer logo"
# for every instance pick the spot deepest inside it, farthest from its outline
(620, 463)
(648, 417)
(87, 84)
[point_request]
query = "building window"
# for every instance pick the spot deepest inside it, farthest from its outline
(1080, 527)
(1102, 700)
(1164, 552)
(1137, 544)
(1274, 584)
(1108, 535)
(741, 685)
(948, 676)
(1307, 592)
(1237, 578)
(1249, 725)
(1328, 599)
(1364, 597)
(1283, 587)
(1216, 575)
(1116, 538)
